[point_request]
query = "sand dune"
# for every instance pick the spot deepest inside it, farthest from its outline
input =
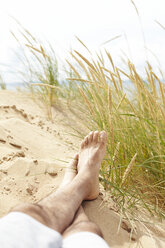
(33, 155)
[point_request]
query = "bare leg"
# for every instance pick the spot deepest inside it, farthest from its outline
(57, 211)
(81, 222)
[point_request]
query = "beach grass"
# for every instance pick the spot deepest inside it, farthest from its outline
(2, 83)
(128, 106)
(132, 112)
(40, 72)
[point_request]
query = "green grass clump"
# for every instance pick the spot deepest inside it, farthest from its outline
(2, 84)
(40, 68)
(134, 168)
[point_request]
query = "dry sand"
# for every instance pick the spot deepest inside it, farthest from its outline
(33, 155)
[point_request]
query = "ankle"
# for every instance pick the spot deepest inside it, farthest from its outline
(85, 182)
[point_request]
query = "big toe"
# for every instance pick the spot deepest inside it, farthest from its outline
(103, 137)
(95, 136)
(90, 137)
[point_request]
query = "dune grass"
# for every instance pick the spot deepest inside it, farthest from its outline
(128, 107)
(2, 84)
(40, 70)
(134, 168)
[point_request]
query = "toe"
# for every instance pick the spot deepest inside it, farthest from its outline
(95, 136)
(86, 140)
(90, 137)
(103, 137)
(83, 144)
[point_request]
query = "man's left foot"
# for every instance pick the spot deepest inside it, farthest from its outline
(70, 172)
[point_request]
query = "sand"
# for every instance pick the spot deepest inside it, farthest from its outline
(34, 153)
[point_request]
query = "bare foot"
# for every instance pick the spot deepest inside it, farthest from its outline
(70, 172)
(91, 154)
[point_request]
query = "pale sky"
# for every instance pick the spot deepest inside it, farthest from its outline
(93, 21)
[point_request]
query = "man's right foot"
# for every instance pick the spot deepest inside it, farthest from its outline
(91, 154)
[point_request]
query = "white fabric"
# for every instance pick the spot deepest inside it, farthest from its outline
(84, 240)
(18, 230)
